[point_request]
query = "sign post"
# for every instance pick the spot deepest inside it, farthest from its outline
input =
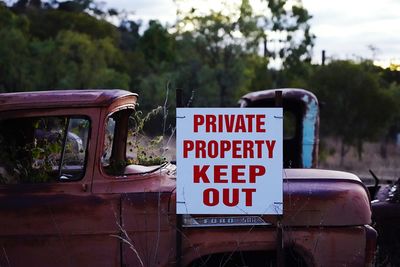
(229, 161)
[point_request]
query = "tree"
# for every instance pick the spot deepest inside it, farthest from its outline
(37, 53)
(157, 45)
(227, 38)
(290, 23)
(357, 109)
(14, 52)
(214, 39)
(86, 63)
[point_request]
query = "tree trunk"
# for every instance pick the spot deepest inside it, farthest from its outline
(222, 95)
(359, 149)
(343, 152)
(383, 147)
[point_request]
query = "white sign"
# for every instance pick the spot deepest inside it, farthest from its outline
(229, 160)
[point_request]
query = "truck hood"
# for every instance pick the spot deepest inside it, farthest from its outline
(316, 197)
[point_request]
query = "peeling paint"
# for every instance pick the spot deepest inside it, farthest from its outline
(309, 121)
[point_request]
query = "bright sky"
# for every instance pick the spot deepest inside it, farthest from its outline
(344, 28)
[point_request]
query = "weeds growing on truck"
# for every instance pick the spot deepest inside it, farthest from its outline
(72, 194)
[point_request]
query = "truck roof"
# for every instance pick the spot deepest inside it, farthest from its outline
(288, 93)
(62, 98)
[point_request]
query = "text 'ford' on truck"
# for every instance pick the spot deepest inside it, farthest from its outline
(72, 194)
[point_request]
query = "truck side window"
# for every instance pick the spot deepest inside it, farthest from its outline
(126, 149)
(108, 142)
(74, 157)
(113, 158)
(42, 149)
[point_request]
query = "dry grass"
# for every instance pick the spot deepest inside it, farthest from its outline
(385, 168)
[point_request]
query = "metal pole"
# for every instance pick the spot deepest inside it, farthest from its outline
(278, 98)
(179, 98)
(280, 257)
(178, 259)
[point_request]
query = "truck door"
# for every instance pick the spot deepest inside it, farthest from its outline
(146, 226)
(49, 217)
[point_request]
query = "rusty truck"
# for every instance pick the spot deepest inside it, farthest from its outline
(385, 219)
(71, 195)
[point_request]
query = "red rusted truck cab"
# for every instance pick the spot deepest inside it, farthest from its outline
(61, 202)
(70, 195)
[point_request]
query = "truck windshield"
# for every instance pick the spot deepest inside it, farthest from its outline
(42, 149)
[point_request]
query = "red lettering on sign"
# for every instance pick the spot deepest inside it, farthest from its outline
(248, 196)
(237, 170)
(211, 197)
(225, 147)
(259, 145)
(260, 123)
(254, 171)
(211, 123)
(238, 123)
(236, 149)
(201, 149)
(234, 200)
(188, 145)
(229, 122)
(270, 147)
(250, 118)
(241, 125)
(212, 149)
(219, 174)
(200, 173)
(248, 151)
(230, 197)
(197, 121)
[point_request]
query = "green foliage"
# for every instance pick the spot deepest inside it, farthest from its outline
(14, 60)
(228, 42)
(85, 63)
(57, 45)
(23, 170)
(357, 108)
(221, 53)
(9, 20)
(157, 45)
(37, 52)
(47, 23)
(146, 151)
